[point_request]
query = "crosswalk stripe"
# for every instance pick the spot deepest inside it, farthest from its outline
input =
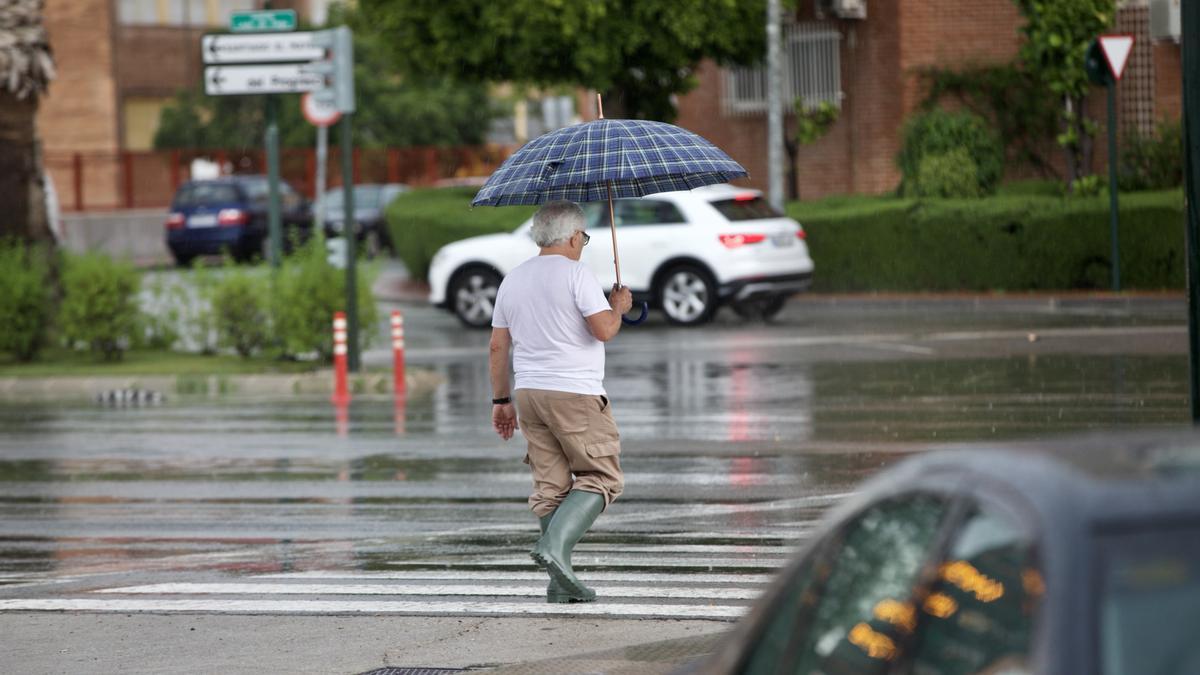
(472, 575)
(227, 606)
(672, 592)
(585, 561)
(735, 549)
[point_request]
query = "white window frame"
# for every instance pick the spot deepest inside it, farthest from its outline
(812, 70)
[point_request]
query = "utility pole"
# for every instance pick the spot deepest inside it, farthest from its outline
(774, 109)
(274, 227)
(1190, 24)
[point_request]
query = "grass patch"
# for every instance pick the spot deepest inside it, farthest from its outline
(58, 362)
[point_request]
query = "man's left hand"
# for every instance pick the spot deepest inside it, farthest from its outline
(504, 420)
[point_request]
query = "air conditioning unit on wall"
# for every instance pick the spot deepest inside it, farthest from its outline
(843, 9)
(1164, 20)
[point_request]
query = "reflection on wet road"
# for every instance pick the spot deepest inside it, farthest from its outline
(736, 438)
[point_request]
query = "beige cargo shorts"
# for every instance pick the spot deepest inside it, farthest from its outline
(569, 435)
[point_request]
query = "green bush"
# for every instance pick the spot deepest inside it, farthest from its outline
(99, 307)
(240, 305)
(1012, 243)
(1152, 161)
(947, 174)
(308, 290)
(422, 221)
(938, 132)
(26, 302)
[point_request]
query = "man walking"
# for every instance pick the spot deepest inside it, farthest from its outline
(552, 313)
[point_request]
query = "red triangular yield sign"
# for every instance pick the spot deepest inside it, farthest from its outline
(1117, 49)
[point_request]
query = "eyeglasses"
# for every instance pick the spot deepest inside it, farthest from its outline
(586, 237)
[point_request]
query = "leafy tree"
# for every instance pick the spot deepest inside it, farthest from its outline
(639, 53)
(1057, 36)
(392, 111)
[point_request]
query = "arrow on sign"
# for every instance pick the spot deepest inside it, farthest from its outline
(1117, 49)
(277, 79)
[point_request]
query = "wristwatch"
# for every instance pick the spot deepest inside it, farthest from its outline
(501, 401)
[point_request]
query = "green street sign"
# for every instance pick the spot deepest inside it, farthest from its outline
(269, 21)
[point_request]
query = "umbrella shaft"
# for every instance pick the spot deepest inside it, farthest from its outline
(612, 226)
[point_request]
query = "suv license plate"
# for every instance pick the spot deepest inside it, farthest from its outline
(783, 239)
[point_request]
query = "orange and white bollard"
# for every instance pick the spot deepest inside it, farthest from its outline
(398, 385)
(341, 387)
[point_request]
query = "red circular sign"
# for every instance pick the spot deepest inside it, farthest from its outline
(318, 113)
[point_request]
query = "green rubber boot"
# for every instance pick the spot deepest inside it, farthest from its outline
(571, 520)
(554, 592)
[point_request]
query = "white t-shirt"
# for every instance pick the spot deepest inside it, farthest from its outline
(544, 303)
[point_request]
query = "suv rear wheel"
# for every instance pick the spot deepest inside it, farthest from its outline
(473, 295)
(687, 295)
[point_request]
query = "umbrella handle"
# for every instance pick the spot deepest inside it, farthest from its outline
(633, 322)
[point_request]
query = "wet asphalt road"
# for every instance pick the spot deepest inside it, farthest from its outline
(736, 438)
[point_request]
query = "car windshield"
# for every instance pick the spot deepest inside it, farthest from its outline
(365, 197)
(203, 194)
(746, 208)
(1151, 603)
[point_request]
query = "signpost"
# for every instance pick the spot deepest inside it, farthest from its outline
(1190, 14)
(271, 20)
(322, 114)
(257, 61)
(1114, 49)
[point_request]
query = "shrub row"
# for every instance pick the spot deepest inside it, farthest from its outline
(104, 310)
(1025, 238)
(422, 221)
(1017, 242)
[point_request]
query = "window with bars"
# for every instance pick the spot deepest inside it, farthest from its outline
(811, 70)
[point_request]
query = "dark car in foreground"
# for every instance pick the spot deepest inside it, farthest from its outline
(370, 215)
(229, 215)
(1081, 560)
(1059, 559)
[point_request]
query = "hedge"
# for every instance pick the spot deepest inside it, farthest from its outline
(1009, 242)
(422, 221)
(1020, 239)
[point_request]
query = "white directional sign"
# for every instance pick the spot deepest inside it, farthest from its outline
(1117, 49)
(275, 79)
(260, 48)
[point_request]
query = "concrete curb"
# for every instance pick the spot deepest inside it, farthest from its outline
(417, 381)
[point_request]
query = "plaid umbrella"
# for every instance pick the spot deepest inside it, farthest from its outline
(607, 159)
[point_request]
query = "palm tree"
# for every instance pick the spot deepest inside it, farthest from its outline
(26, 68)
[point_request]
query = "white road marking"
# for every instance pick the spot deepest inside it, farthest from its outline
(471, 575)
(673, 592)
(586, 560)
(226, 606)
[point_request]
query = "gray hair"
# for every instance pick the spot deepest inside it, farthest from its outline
(556, 222)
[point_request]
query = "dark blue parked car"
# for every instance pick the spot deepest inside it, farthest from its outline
(229, 214)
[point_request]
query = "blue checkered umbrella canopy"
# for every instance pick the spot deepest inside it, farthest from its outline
(581, 163)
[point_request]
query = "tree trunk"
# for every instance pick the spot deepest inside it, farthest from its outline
(22, 191)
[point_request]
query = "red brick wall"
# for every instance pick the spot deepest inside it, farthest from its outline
(80, 110)
(1168, 80)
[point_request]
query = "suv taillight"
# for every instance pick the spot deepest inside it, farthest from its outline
(227, 217)
(801, 234)
(736, 240)
(175, 221)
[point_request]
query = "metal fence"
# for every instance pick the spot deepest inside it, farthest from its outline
(96, 181)
(812, 71)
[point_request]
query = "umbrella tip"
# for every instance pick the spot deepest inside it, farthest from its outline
(599, 105)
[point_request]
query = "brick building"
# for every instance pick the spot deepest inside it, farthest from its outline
(868, 67)
(118, 63)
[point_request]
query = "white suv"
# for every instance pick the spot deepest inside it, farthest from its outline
(685, 253)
